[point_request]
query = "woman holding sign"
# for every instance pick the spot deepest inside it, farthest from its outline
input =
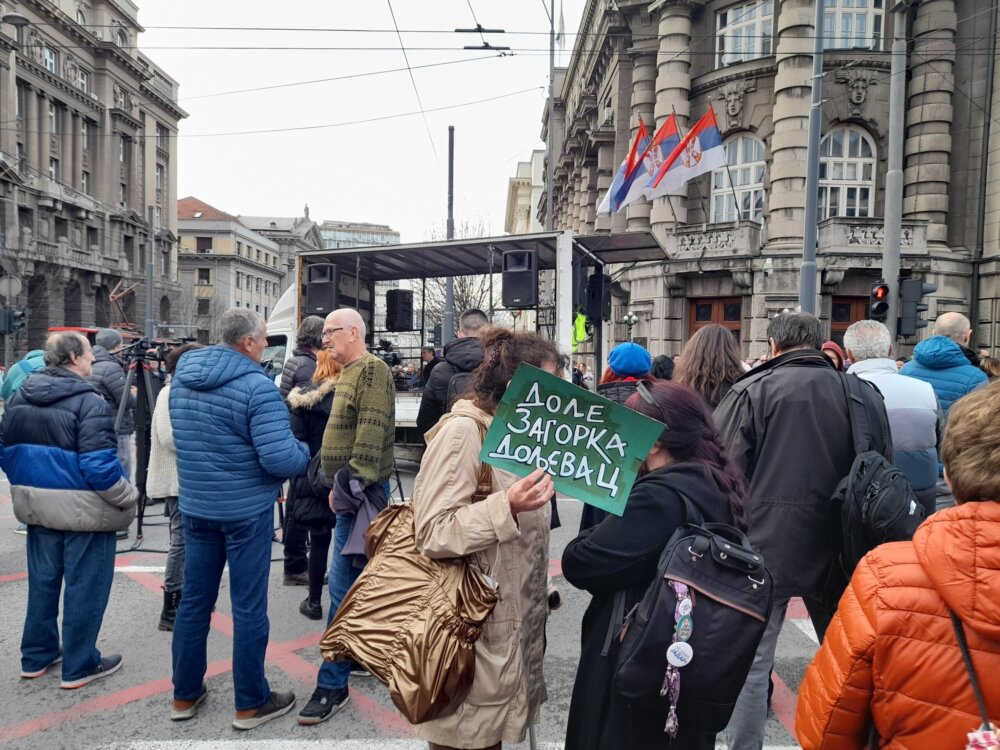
(509, 532)
(621, 553)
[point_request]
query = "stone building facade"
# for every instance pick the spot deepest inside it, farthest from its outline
(294, 235)
(223, 264)
(734, 237)
(87, 149)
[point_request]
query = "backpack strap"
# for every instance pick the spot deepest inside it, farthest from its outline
(857, 413)
(963, 646)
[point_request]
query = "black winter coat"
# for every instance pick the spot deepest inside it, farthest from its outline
(786, 426)
(618, 391)
(298, 371)
(310, 410)
(108, 378)
(622, 553)
(460, 355)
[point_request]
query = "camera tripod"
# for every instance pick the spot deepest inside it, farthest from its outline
(147, 389)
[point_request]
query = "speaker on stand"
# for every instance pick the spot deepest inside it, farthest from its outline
(320, 296)
(399, 310)
(520, 279)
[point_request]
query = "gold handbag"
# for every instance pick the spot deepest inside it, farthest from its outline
(412, 621)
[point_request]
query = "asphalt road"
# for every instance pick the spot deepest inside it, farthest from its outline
(130, 709)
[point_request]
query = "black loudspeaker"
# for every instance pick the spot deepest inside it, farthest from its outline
(520, 279)
(399, 310)
(598, 298)
(320, 296)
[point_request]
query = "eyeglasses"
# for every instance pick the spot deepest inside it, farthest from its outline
(646, 396)
(331, 331)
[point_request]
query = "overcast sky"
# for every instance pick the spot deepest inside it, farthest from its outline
(384, 171)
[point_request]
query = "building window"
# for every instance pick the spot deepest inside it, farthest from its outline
(122, 190)
(85, 134)
(83, 81)
(159, 217)
(122, 149)
(85, 182)
(249, 283)
(80, 17)
(852, 24)
(258, 308)
(53, 119)
(159, 177)
(723, 311)
(265, 313)
(743, 32)
(239, 248)
(846, 174)
(53, 169)
(239, 279)
(165, 264)
(257, 289)
(204, 277)
(49, 59)
(203, 244)
(162, 137)
(745, 155)
(121, 38)
(258, 255)
(203, 306)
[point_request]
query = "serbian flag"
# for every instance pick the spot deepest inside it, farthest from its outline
(628, 168)
(698, 152)
(649, 163)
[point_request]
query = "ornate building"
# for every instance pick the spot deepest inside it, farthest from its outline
(88, 151)
(734, 237)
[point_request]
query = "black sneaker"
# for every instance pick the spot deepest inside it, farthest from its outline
(109, 665)
(277, 705)
(297, 579)
(323, 704)
(312, 610)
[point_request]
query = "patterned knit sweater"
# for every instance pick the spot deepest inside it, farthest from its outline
(362, 426)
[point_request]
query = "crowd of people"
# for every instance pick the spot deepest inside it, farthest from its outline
(760, 445)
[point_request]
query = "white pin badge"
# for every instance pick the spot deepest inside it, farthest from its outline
(680, 654)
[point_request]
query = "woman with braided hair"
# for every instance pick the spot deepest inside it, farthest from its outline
(508, 531)
(688, 461)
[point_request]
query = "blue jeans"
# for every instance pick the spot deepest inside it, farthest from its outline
(333, 675)
(85, 562)
(208, 545)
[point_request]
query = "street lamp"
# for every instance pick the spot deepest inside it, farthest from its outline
(629, 320)
(14, 19)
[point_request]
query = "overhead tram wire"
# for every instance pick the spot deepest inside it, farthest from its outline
(420, 104)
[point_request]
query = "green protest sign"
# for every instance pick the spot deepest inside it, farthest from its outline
(592, 447)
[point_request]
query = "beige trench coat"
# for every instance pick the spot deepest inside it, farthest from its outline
(509, 686)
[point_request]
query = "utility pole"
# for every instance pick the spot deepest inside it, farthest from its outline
(550, 157)
(893, 221)
(150, 328)
(448, 325)
(807, 274)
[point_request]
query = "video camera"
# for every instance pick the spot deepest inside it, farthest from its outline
(386, 351)
(152, 350)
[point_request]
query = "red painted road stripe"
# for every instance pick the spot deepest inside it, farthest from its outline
(13, 577)
(103, 703)
(555, 567)
(119, 562)
(783, 703)
(797, 610)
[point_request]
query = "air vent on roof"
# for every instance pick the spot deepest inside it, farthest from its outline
(197, 214)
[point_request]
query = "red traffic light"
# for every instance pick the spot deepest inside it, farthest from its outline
(878, 304)
(880, 291)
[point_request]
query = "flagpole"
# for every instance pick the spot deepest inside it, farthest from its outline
(701, 197)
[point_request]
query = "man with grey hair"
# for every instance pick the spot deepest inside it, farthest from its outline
(108, 377)
(59, 452)
(786, 425)
(235, 448)
(946, 362)
(915, 417)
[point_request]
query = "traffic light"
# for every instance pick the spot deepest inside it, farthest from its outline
(912, 292)
(878, 304)
(15, 320)
(4, 321)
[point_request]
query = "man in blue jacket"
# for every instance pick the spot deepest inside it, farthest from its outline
(59, 451)
(946, 362)
(234, 450)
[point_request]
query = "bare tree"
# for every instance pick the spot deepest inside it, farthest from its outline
(481, 292)
(199, 316)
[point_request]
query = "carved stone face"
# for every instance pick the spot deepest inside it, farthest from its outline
(859, 92)
(734, 103)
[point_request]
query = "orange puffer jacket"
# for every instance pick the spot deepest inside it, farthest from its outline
(890, 654)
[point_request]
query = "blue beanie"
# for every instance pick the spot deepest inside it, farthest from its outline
(629, 360)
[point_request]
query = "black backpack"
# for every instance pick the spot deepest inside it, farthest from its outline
(875, 502)
(732, 596)
(458, 385)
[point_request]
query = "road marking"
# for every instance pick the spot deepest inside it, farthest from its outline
(806, 627)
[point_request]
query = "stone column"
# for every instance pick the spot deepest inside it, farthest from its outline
(927, 148)
(673, 88)
(791, 124)
(67, 135)
(78, 147)
(32, 127)
(44, 135)
(643, 105)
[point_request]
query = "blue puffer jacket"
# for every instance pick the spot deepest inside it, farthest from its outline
(234, 443)
(59, 452)
(940, 362)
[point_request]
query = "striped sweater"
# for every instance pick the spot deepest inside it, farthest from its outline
(362, 426)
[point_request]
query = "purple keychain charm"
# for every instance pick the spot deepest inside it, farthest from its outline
(680, 653)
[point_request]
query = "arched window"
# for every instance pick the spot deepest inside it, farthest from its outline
(81, 18)
(121, 38)
(846, 174)
(745, 155)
